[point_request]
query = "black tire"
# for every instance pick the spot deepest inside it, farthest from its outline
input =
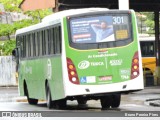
(106, 101)
(60, 104)
(116, 99)
(81, 101)
(31, 101)
(48, 97)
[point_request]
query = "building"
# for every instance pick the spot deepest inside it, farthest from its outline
(32, 4)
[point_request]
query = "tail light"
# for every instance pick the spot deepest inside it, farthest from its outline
(135, 66)
(72, 73)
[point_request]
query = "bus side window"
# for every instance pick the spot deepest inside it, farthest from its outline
(49, 40)
(29, 45)
(54, 41)
(46, 40)
(40, 43)
(33, 46)
(43, 43)
(58, 40)
(17, 46)
(24, 46)
(18, 40)
(151, 49)
(37, 43)
(21, 47)
(147, 49)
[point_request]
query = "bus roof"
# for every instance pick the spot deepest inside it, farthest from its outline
(72, 12)
(56, 18)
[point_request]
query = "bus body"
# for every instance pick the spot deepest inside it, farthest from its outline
(60, 59)
(147, 44)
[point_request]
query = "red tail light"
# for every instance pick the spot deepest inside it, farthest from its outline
(135, 66)
(72, 73)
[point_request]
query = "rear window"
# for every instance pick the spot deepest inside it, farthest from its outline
(100, 28)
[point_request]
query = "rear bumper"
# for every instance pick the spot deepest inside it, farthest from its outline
(122, 87)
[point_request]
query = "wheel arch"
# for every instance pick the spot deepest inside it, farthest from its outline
(147, 71)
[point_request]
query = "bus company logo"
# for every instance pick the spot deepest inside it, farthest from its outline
(116, 62)
(83, 64)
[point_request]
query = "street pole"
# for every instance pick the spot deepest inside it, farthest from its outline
(157, 43)
(56, 9)
(123, 4)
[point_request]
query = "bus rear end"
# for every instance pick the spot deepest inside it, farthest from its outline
(102, 56)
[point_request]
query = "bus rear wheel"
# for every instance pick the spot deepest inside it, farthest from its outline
(60, 104)
(31, 101)
(48, 97)
(116, 99)
(106, 101)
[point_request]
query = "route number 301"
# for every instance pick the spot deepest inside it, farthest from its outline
(118, 20)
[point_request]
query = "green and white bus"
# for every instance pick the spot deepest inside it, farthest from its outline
(80, 54)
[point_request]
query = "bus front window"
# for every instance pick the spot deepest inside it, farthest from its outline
(147, 48)
(110, 29)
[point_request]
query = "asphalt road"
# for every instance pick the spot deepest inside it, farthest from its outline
(137, 101)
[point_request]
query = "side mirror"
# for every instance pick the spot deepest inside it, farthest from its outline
(15, 53)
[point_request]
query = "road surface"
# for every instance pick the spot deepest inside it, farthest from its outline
(10, 101)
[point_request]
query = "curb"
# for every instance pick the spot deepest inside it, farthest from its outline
(153, 99)
(8, 86)
(155, 104)
(24, 99)
(20, 99)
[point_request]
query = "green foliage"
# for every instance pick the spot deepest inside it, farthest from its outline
(23, 23)
(11, 5)
(150, 15)
(8, 29)
(149, 21)
(38, 14)
(151, 25)
(7, 47)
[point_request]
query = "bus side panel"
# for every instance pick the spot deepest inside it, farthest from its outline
(32, 72)
(21, 78)
(56, 84)
(36, 72)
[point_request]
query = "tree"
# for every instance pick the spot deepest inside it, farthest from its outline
(149, 22)
(6, 30)
(7, 47)
(13, 6)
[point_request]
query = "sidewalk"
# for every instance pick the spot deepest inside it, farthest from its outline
(154, 100)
